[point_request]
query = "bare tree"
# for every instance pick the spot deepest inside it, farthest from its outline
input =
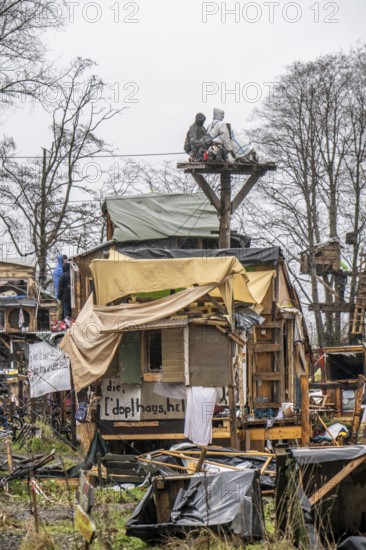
(314, 128)
(23, 69)
(50, 202)
(165, 178)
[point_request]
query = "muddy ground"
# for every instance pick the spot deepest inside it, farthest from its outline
(56, 519)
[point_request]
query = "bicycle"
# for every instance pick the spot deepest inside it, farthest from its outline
(58, 425)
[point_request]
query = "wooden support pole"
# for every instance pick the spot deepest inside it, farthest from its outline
(357, 412)
(305, 420)
(247, 187)
(34, 503)
(73, 412)
(208, 191)
(33, 410)
(225, 211)
(232, 405)
(9, 456)
(338, 400)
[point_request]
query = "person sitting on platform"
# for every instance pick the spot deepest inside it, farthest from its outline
(220, 133)
(194, 135)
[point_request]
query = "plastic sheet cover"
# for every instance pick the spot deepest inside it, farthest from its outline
(157, 216)
(247, 256)
(225, 502)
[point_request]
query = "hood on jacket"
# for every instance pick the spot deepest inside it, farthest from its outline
(200, 119)
(218, 114)
(60, 259)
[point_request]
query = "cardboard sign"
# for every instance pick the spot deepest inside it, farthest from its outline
(85, 494)
(84, 524)
(131, 402)
(49, 369)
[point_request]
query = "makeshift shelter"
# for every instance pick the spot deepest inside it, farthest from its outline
(321, 497)
(225, 502)
(25, 309)
(171, 220)
(155, 333)
(276, 352)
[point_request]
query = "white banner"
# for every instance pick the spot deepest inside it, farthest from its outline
(49, 369)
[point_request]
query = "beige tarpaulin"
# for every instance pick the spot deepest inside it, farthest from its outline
(91, 350)
(128, 276)
(91, 347)
(259, 282)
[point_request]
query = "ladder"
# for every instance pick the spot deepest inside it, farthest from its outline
(358, 322)
(266, 366)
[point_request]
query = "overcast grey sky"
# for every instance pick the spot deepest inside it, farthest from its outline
(166, 60)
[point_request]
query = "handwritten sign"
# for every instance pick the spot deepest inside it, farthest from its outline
(133, 402)
(84, 524)
(49, 369)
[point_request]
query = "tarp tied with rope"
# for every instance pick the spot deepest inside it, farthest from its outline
(94, 338)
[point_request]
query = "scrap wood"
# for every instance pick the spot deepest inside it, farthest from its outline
(201, 459)
(177, 454)
(336, 479)
(264, 467)
(159, 463)
(20, 460)
(220, 453)
(23, 470)
(328, 432)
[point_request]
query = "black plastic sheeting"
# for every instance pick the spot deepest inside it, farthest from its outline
(353, 543)
(224, 502)
(328, 454)
(247, 256)
(339, 514)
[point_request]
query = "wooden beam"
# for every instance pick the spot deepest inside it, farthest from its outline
(281, 364)
(357, 412)
(244, 168)
(247, 187)
(305, 419)
(285, 432)
(267, 376)
(328, 432)
(225, 210)
(335, 480)
(216, 434)
(208, 191)
(264, 348)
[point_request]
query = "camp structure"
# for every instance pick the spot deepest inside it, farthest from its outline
(25, 310)
(153, 220)
(338, 376)
(320, 497)
(146, 362)
(276, 355)
(160, 339)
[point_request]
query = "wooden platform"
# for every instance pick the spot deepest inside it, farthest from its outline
(245, 168)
